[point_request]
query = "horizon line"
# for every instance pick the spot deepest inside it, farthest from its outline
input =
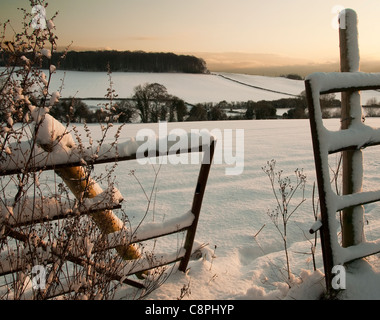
(255, 63)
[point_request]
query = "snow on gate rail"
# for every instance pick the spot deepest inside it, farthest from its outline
(325, 142)
(57, 151)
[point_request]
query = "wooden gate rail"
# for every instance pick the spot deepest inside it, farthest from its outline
(73, 160)
(325, 142)
(23, 213)
(187, 222)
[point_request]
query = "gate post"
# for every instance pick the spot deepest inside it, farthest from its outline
(351, 114)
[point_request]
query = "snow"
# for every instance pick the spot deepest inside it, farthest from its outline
(23, 212)
(152, 229)
(52, 132)
(56, 145)
(351, 32)
(235, 260)
(54, 97)
(192, 88)
(234, 210)
(325, 82)
(46, 53)
(50, 24)
(274, 84)
(357, 134)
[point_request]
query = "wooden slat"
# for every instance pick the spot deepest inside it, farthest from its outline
(147, 263)
(49, 251)
(353, 139)
(150, 231)
(361, 250)
(351, 89)
(60, 215)
(358, 199)
(327, 253)
(25, 212)
(197, 204)
(45, 165)
(354, 147)
(186, 223)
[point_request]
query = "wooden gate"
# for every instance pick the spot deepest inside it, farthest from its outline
(99, 206)
(325, 142)
(353, 136)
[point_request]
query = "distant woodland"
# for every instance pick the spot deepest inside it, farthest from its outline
(126, 61)
(129, 61)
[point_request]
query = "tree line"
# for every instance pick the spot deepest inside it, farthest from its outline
(267, 109)
(129, 61)
(151, 102)
(126, 61)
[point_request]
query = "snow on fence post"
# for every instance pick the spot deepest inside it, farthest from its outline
(351, 113)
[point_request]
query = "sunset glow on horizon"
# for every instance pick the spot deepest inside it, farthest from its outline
(235, 35)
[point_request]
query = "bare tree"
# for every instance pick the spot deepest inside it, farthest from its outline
(151, 100)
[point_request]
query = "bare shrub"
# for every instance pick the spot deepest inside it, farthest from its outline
(51, 242)
(284, 191)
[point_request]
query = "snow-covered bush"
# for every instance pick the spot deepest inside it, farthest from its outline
(53, 256)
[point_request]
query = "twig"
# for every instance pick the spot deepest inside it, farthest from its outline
(259, 231)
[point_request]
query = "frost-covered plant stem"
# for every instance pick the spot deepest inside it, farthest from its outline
(64, 247)
(284, 191)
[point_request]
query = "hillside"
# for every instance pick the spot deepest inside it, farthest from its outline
(192, 88)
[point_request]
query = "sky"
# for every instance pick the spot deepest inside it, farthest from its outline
(253, 36)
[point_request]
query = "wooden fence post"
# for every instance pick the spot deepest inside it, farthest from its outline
(197, 203)
(350, 114)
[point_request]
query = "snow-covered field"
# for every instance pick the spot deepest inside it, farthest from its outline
(234, 210)
(192, 88)
(234, 264)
